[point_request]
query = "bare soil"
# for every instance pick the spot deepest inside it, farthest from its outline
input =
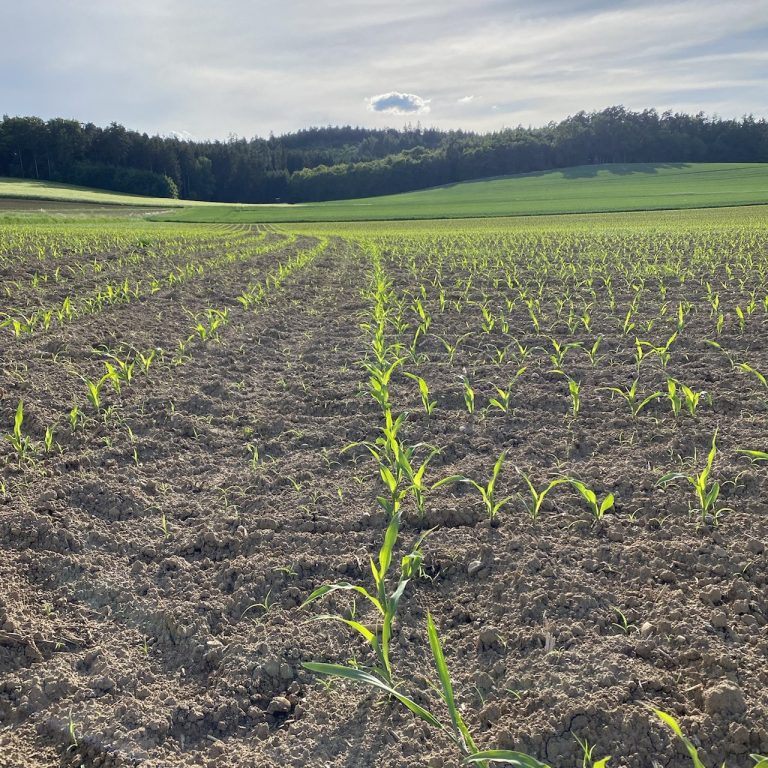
(150, 601)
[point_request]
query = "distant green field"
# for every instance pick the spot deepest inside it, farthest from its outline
(585, 189)
(30, 189)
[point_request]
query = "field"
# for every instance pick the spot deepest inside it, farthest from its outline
(596, 188)
(538, 445)
(18, 190)
(583, 189)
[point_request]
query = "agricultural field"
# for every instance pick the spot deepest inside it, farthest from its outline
(582, 189)
(385, 495)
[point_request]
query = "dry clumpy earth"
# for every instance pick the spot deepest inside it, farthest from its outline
(152, 572)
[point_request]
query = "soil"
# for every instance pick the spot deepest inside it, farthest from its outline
(153, 571)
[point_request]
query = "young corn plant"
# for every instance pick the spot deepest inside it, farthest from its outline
(93, 392)
(469, 395)
(596, 507)
(412, 474)
(631, 398)
(453, 348)
(384, 602)
(706, 492)
(428, 404)
(501, 401)
(587, 750)
(750, 369)
(455, 728)
(22, 444)
(559, 351)
(146, 360)
(574, 390)
(674, 726)
(593, 352)
(48, 439)
(487, 492)
(679, 394)
(536, 498)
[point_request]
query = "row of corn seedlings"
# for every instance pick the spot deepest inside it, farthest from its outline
(73, 307)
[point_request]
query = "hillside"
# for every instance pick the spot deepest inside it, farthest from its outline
(31, 189)
(582, 189)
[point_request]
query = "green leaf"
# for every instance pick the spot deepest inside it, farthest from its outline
(505, 756)
(342, 586)
(754, 455)
(19, 418)
(449, 479)
(366, 678)
(670, 476)
(390, 538)
(607, 504)
(675, 728)
(356, 625)
(459, 727)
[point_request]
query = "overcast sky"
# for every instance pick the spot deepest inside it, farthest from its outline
(212, 68)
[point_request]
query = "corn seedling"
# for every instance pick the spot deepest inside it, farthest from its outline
(93, 392)
(21, 443)
(456, 729)
(622, 623)
(536, 498)
(592, 352)
(574, 390)
(749, 369)
(145, 361)
(412, 475)
(487, 492)
(469, 395)
(674, 726)
(453, 348)
(76, 419)
(630, 397)
(586, 755)
(706, 492)
(429, 405)
(253, 452)
(559, 351)
(680, 394)
(385, 603)
(503, 395)
(596, 507)
(48, 439)
(72, 731)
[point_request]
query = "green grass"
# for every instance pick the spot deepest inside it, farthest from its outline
(585, 189)
(30, 189)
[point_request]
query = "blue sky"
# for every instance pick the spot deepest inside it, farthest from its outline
(248, 67)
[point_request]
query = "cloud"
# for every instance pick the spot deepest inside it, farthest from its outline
(180, 135)
(201, 69)
(395, 103)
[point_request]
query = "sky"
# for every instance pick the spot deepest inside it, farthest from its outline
(209, 69)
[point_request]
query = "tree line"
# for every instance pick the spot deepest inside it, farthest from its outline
(346, 162)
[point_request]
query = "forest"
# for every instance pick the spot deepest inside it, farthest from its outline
(327, 163)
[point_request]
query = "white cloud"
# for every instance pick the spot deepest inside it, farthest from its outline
(465, 99)
(395, 103)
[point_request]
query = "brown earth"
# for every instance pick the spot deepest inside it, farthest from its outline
(126, 640)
